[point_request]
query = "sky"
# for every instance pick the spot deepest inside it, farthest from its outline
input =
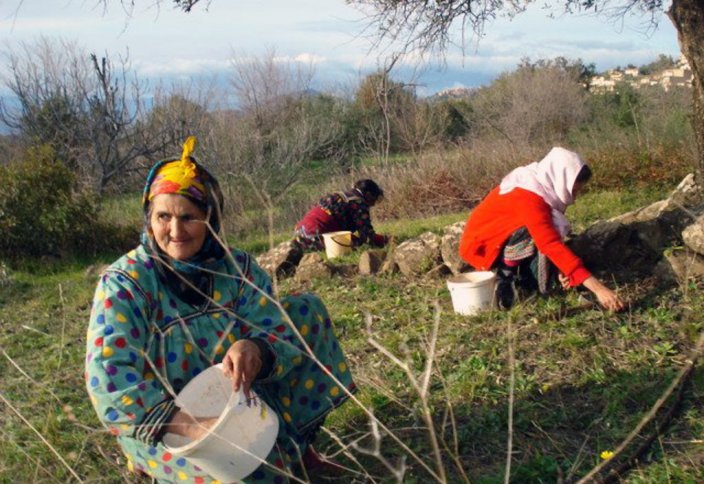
(167, 44)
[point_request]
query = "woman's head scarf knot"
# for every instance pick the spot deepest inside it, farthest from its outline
(180, 177)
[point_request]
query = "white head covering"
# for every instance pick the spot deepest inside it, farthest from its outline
(552, 178)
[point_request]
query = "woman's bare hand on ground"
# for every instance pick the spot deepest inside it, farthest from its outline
(607, 298)
(241, 364)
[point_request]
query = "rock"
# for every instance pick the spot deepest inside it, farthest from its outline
(689, 193)
(312, 266)
(693, 236)
(281, 261)
(450, 246)
(418, 256)
(370, 261)
(680, 266)
(630, 244)
(616, 248)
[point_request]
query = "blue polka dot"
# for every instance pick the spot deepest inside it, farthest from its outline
(137, 312)
(195, 371)
(181, 462)
(108, 330)
(266, 321)
(100, 319)
(171, 357)
(167, 319)
(131, 377)
(155, 384)
(303, 310)
(94, 382)
(133, 356)
(315, 405)
(112, 414)
(242, 301)
(120, 278)
(152, 451)
(258, 475)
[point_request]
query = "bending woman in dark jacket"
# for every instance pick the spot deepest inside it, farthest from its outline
(347, 210)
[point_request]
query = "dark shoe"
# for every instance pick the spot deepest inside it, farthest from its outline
(504, 293)
(317, 466)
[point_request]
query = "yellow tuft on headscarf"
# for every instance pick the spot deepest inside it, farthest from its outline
(180, 177)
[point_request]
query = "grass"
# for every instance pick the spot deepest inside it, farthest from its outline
(582, 378)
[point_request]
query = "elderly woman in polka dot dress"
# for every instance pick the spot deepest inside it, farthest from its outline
(180, 303)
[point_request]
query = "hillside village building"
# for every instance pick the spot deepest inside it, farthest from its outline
(678, 76)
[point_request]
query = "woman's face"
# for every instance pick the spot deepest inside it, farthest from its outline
(178, 225)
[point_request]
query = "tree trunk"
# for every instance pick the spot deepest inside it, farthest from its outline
(688, 18)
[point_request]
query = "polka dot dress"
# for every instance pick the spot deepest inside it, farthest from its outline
(144, 345)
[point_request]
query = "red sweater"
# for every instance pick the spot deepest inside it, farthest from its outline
(493, 221)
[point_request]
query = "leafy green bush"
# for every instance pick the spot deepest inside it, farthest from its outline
(42, 212)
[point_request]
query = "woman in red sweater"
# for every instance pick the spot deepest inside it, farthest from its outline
(518, 230)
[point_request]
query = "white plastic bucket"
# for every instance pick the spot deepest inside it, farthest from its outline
(472, 291)
(242, 437)
(337, 243)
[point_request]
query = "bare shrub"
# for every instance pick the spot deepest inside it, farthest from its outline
(535, 105)
(439, 181)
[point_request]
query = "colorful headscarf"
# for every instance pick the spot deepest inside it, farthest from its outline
(179, 177)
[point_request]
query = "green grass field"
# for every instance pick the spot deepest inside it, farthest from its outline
(580, 381)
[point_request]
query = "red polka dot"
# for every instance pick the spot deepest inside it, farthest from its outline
(120, 342)
(184, 365)
(219, 334)
(159, 362)
(108, 303)
(272, 338)
(281, 328)
(199, 480)
(244, 329)
(99, 341)
(166, 457)
(279, 463)
(114, 431)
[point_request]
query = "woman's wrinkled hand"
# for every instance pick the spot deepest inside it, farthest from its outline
(241, 364)
(607, 298)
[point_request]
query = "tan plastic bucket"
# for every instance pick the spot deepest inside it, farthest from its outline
(337, 243)
(472, 292)
(240, 440)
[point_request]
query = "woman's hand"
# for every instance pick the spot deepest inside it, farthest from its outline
(185, 424)
(564, 281)
(241, 364)
(607, 298)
